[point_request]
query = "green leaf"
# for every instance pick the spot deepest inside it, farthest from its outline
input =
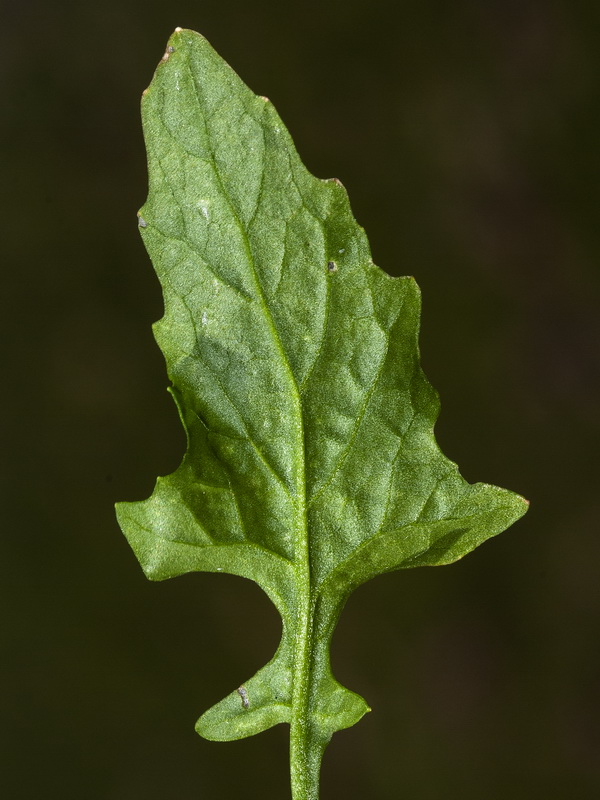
(311, 463)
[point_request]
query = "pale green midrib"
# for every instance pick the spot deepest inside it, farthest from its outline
(302, 656)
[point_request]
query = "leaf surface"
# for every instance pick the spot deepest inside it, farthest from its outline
(311, 463)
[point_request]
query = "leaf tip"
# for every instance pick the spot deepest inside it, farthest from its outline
(170, 48)
(520, 500)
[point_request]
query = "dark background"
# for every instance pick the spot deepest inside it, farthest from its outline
(466, 134)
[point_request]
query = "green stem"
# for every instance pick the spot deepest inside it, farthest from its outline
(305, 749)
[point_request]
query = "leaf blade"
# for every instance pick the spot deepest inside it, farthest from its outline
(311, 463)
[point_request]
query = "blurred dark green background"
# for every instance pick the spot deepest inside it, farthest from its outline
(467, 136)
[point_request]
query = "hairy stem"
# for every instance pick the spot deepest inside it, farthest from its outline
(305, 750)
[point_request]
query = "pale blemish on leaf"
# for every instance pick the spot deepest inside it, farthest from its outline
(244, 695)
